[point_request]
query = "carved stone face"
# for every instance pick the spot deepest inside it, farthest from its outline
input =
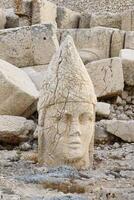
(66, 111)
(68, 130)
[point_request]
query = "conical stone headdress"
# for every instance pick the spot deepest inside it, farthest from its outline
(67, 80)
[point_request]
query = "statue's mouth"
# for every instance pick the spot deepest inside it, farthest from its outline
(74, 144)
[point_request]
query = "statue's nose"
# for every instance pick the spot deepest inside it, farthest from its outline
(75, 129)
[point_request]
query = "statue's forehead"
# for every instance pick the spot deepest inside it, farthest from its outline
(70, 107)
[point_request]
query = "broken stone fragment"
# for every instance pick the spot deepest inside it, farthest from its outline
(101, 135)
(107, 20)
(127, 57)
(17, 91)
(121, 128)
(14, 130)
(44, 12)
(102, 109)
(107, 76)
(67, 18)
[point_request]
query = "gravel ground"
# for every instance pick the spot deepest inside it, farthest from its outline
(97, 5)
(111, 178)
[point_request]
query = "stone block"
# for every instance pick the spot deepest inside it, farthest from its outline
(14, 130)
(94, 43)
(44, 12)
(121, 128)
(24, 21)
(27, 46)
(128, 21)
(23, 7)
(66, 18)
(44, 43)
(129, 40)
(84, 21)
(17, 90)
(37, 74)
(2, 19)
(101, 135)
(107, 20)
(107, 76)
(127, 56)
(12, 20)
(103, 109)
(117, 42)
(15, 46)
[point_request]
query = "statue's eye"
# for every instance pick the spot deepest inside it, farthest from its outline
(64, 118)
(67, 117)
(85, 117)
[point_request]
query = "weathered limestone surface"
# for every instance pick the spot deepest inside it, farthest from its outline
(15, 46)
(122, 129)
(44, 43)
(128, 21)
(17, 91)
(66, 111)
(12, 20)
(129, 40)
(117, 42)
(37, 74)
(14, 130)
(84, 21)
(127, 56)
(30, 110)
(103, 109)
(44, 12)
(2, 19)
(27, 46)
(6, 4)
(95, 42)
(23, 7)
(107, 76)
(67, 18)
(24, 21)
(106, 20)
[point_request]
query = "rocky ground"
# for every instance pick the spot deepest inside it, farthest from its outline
(112, 176)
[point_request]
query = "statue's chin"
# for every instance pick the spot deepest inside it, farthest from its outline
(74, 155)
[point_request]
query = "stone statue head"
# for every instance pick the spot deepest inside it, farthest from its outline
(66, 111)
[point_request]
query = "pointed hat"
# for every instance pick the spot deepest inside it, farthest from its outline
(67, 79)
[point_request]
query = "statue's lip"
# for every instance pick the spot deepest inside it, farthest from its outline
(74, 142)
